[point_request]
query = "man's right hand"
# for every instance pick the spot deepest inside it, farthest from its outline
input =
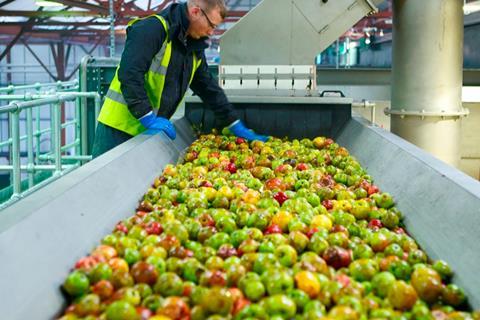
(155, 124)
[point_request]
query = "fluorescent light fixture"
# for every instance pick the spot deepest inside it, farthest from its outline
(47, 3)
(471, 7)
(471, 94)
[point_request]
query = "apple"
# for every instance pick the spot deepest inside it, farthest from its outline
(218, 300)
(286, 229)
(76, 284)
(381, 283)
(254, 290)
(427, 283)
(277, 282)
(286, 255)
(272, 228)
(402, 295)
(280, 305)
(121, 310)
(307, 282)
(174, 308)
(337, 257)
(169, 284)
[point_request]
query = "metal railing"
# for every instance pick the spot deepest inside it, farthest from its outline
(55, 160)
(59, 86)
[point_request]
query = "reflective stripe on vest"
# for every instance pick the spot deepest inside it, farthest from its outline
(115, 113)
(115, 96)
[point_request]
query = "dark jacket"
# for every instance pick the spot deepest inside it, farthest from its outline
(144, 40)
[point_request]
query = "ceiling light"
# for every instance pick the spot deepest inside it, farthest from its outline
(471, 7)
(47, 3)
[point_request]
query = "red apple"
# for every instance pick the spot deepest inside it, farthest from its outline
(273, 228)
(302, 166)
(239, 140)
(337, 257)
(231, 167)
(154, 227)
(281, 197)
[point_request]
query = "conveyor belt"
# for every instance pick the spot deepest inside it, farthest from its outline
(43, 235)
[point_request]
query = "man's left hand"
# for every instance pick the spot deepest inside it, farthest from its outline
(239, 129)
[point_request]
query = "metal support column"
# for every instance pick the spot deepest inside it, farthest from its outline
(30, 155)
(57, 141)
(38, 127)
(16, 177)
(427, 75)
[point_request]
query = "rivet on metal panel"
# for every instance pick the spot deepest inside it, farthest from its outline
(275, 78)
(258, 77)
(309, 86)
(293, 78)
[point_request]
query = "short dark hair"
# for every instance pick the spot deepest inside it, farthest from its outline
(209, 5)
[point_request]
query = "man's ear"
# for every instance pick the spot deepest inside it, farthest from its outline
(195, 11)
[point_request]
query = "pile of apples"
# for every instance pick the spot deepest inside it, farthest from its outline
(276, 230)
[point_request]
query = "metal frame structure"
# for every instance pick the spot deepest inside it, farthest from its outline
(101, 23)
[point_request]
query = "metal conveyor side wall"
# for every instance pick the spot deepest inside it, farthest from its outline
(441, 205)
(43, 235)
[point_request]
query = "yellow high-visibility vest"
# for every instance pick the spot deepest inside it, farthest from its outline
(115, 113)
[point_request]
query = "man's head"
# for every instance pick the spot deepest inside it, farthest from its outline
(204, 17)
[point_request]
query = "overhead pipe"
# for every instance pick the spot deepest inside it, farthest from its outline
(427, 70)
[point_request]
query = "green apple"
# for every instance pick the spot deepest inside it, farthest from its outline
(286, 255)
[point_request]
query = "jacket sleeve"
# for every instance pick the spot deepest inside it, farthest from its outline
(144, 39)
(206, 87)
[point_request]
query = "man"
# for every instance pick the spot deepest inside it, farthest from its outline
(163, 56)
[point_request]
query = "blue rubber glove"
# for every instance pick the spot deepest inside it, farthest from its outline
(239, 129)
(155, 124)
